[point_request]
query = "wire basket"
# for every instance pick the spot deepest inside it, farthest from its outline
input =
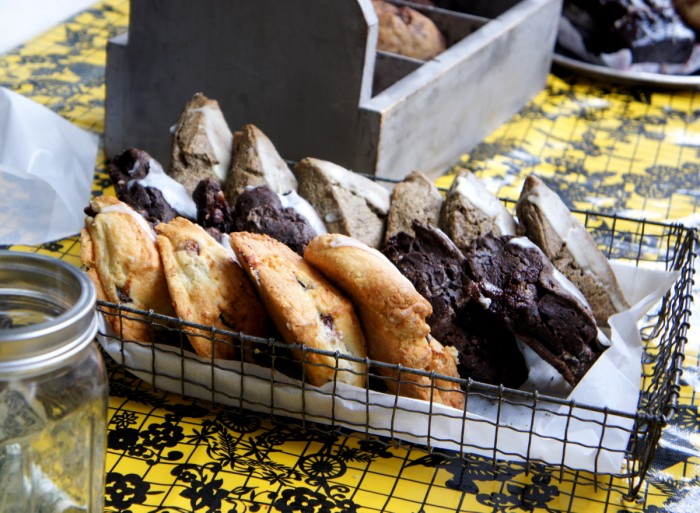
(278, 388)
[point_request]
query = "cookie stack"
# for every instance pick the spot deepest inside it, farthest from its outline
(431, 286)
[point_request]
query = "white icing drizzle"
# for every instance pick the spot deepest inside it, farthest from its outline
(277, 173)
(219, 136)
(572, 232)
(302, 207)
(123, 208)
(173, 192)
(473, 190)
(340, 241)
(375, 194)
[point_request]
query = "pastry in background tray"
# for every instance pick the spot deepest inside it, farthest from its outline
(470, 211)
(651, 30)
(202, 143)
(260, 210)
(393, 317)
(406, 31)
(512, 278)
(305, 308)
(414, 199)
(488, 351)
(348, 203)
(119, 249)
(256, 162)
(140, 182)
(547, 221)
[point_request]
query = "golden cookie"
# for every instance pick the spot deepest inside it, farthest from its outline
(118, 247)
(406, 31)
(393, 316)
(305, 308)
(208, 287)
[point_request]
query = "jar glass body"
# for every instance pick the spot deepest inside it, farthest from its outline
(53, 439)
(53, 389)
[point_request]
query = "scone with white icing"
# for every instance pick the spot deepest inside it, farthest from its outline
(256, 162)
(202, 143)
(414, 199)
(348, 203)
(547, 221)
(471, 211)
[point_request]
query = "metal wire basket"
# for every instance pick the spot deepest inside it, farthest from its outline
(278, 388)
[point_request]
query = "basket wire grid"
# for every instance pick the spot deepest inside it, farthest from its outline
(638, 242)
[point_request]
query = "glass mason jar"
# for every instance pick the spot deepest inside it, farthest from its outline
(53, 388)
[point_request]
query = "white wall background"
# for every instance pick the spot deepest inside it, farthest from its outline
(21, 20)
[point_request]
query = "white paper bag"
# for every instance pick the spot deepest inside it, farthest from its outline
(47, 166)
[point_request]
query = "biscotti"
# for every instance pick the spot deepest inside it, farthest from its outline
(546, 220)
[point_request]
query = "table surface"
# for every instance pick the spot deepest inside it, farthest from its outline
(634, 151)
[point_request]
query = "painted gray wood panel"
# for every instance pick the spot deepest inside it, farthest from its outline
(303, 72)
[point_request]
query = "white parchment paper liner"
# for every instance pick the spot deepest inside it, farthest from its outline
(595, 441)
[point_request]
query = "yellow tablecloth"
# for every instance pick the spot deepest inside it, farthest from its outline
(632, 151)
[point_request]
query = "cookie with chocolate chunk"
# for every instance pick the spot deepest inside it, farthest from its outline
(119, 249)
(305, 308)
(408, 32)
(512, 279)
(488, 351)
(208, 287)
(260, 210)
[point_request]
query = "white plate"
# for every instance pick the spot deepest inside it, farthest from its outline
(628, 77)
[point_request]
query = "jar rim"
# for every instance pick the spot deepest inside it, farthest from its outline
(32, 277)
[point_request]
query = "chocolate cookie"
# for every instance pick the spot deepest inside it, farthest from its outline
(141, 183)
(213, 211)
(515, 281)
(260, 210)
(488, 351)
